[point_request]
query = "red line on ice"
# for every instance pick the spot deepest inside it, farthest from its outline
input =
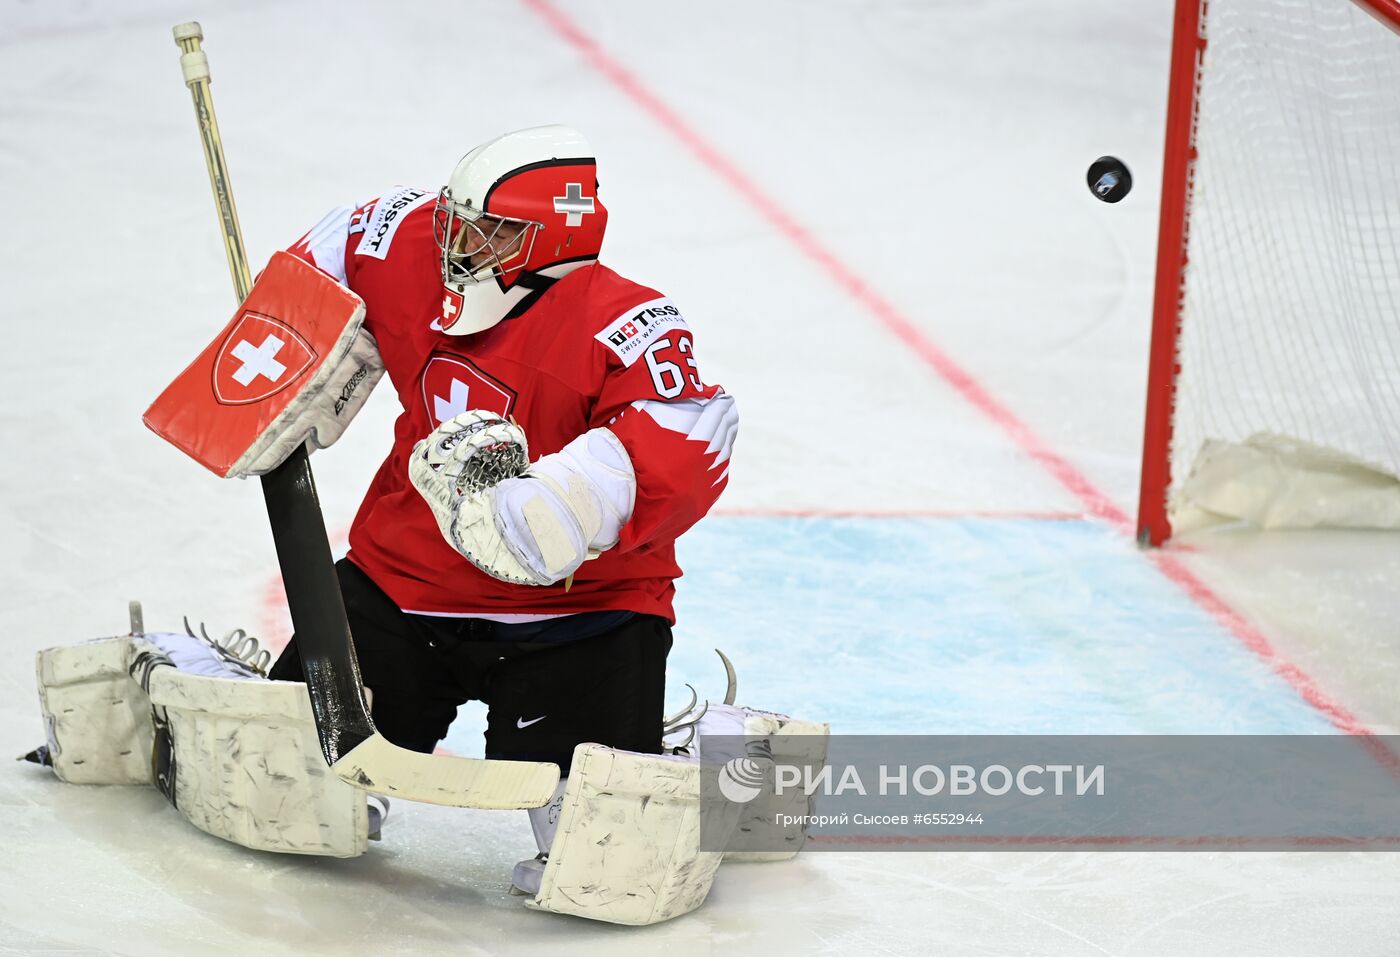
(959, 379)
(1041, 842)
(987, 514)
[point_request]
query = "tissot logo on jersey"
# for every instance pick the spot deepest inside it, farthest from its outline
(629, 334)
(452, 385)
(384, 219)
(260, 357)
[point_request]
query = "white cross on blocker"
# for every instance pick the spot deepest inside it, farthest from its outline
(574, 203)
(258, 361)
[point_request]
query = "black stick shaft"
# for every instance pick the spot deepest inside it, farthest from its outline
(317, 607)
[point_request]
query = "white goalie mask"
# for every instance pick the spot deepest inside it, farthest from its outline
(516, 214)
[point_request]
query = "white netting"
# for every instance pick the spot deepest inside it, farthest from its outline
(1291, 313)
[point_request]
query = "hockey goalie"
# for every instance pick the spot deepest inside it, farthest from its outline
(516, 546)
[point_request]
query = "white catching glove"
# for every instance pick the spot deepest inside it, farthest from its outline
(531, 527)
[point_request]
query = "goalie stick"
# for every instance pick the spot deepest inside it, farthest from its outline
(355, 751)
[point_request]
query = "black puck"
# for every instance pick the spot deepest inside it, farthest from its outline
(1109, 179)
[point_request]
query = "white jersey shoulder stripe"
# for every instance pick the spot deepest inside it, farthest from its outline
(714, 421)
(325, 244)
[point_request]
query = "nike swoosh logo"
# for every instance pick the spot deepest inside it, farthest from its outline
(522, 723)
(435, 325)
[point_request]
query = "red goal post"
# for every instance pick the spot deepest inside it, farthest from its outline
(1259, 218)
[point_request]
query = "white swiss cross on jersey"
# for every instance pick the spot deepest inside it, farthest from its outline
(453, 385)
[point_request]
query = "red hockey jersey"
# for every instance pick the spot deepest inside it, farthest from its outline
(594, 350)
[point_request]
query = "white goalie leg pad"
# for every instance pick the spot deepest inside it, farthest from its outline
(248, 766)
(97, 720)
(243, 761)
(627, 848)
(771, 827)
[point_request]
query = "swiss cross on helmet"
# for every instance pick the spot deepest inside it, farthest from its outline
(517, 214)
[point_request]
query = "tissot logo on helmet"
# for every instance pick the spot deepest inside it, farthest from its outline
(260, 357)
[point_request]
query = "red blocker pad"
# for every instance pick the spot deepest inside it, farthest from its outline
(292, 364)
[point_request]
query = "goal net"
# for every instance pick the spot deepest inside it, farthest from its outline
(1275, 382)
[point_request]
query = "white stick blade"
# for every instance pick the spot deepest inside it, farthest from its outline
(380, 766)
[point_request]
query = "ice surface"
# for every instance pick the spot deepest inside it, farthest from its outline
(938, 150)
